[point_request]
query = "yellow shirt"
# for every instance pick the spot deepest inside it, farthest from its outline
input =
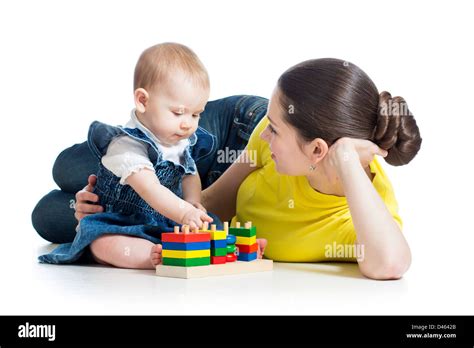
(299, 223)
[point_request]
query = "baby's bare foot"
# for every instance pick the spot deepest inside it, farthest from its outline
(262, 244)
(155, 255)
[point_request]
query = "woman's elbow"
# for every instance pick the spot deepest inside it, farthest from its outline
(391, 267)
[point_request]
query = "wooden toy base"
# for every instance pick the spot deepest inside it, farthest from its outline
(238, 267)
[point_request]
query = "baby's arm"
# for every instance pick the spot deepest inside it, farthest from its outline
(192, 190)
(146, 185)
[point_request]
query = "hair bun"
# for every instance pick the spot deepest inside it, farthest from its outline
(396, 130)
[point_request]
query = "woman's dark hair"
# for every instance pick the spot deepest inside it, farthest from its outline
(330, 99)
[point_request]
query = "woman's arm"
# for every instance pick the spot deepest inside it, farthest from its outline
(220, 198)
(192, 188)
(386, 252)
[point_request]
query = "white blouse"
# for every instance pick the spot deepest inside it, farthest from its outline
(126, 156)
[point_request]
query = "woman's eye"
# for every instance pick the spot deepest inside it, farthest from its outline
(196, 115)
(272, 130)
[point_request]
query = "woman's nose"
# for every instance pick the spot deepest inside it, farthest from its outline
(263, 135)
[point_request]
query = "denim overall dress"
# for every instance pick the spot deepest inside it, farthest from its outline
(125, 212)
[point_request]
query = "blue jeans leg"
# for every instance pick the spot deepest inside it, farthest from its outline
(232, 121)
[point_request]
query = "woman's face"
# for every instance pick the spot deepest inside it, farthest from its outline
(289, 157)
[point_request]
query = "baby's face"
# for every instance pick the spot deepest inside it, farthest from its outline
(173, 110)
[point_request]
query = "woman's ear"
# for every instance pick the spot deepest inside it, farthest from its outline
(318, 150)
(141, 99)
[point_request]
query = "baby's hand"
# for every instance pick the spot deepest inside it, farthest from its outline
(195, 218)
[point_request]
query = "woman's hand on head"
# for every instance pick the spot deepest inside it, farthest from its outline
(85, 200)
(349, 149)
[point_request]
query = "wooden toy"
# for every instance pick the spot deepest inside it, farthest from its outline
(206, 253)
(186, 249)
(228, 268)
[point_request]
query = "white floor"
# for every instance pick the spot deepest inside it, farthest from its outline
(27, 287)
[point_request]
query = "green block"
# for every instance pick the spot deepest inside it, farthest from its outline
(218, 251)
(230, 248)
(196, 261)
(243, 232)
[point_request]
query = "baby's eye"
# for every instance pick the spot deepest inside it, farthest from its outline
(196, 115)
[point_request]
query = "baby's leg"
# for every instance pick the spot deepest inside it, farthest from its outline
(126, 252)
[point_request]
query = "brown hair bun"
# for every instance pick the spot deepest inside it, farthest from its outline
(396, 130)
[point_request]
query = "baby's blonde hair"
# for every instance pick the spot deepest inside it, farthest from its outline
(158, 62)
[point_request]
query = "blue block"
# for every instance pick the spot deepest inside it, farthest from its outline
(217, 244)
(186, 246)
(231, 239)
(247, 257)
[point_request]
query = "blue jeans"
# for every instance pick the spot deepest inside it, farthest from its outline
(230, 119)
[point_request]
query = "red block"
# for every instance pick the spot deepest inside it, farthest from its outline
(216, 260)
(231, 257)
(247, 248)
(185, 237)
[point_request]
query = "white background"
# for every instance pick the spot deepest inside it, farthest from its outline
(64, 64)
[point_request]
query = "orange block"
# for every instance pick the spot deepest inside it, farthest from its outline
(247, 248)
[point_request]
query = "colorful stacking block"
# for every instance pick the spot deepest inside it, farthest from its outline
(230, 249)
(216, 260)
(218, 243)
(186, 246)
(231, 257)
(200, 261)
(185, 238)
(246, 241)
(186, 249)
(186, 254)
(231, 239)
(247, 256)
(243, 232)
(219, 252)
(247, 248)
(222, 243)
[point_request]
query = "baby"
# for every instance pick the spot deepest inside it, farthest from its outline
(147, 181)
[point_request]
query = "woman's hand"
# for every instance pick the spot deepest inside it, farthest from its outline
(346, 149)
(85, 200)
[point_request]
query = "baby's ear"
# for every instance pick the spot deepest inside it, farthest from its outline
(141, 99)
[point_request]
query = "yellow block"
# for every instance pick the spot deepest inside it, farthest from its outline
(218, 235)
(186, 254)
(246, 240)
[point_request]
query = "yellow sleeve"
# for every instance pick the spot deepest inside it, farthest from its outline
(256, 146)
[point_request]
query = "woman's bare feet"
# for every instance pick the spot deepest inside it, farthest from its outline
(262, 244)
(155, 255)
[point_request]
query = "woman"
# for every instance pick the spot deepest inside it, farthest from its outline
(314, 184)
